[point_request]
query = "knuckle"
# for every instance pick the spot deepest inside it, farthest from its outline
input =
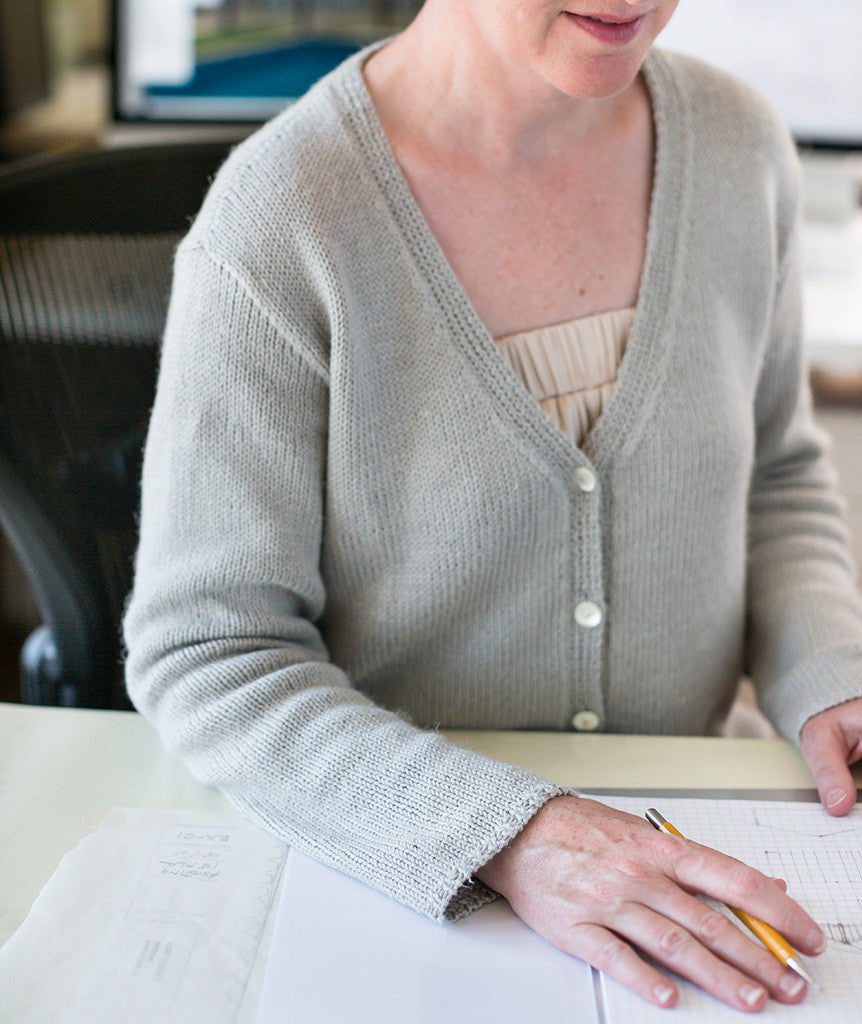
(823, 770)
(712, 926)
(792, 918)
(745, 882)
(672, 940)
(688, 862)
(634, 868)
(663, 847)
(765, 966)
(609, 954)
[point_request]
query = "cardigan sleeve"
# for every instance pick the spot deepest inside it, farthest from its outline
(223, 653)
(805, 615)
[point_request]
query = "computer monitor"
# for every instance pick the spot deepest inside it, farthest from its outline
(802, 55)
(243, 60)
(221, 61)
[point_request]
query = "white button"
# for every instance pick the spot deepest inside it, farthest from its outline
(586, 721)
(585, 479)
(588, 614)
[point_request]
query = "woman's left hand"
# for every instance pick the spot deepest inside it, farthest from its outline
(830, 742)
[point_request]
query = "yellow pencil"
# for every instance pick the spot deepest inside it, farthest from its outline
(773, 940)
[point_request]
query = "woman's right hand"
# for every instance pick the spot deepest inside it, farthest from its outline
(601, 884)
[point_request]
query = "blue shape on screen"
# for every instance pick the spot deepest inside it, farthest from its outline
(287, 71)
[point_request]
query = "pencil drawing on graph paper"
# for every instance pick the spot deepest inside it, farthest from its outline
(844, 935)
(831, 892)
(824, 828)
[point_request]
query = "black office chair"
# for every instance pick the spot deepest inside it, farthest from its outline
(86, 251)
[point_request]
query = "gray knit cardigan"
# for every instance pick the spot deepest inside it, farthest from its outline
(358, 527)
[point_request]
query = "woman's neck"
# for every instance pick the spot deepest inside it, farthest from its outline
(440, 86)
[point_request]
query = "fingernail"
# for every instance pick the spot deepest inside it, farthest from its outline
(751, 994)
(834, 798)
(816, 941)
(791, 984)
(663, 994)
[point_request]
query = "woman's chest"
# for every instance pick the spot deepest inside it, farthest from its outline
(529, 255)
(541, 239)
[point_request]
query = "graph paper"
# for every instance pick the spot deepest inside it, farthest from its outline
(819, 857)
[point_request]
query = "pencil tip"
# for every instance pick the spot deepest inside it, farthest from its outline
(794, 964)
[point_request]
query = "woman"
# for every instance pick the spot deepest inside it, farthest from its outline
(359, 525)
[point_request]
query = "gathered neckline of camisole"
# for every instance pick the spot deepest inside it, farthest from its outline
(570, 368)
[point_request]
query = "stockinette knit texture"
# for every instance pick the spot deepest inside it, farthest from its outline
(357, 527)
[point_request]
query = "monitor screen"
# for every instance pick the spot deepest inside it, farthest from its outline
(803, 55)
(235, 60)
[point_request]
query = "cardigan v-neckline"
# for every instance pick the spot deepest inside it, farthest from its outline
(643, 365)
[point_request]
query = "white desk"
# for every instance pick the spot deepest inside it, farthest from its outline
(61, 771)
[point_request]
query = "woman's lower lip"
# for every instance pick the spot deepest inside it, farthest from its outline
(617, 34)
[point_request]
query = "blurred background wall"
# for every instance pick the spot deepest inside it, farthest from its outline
(53, 74)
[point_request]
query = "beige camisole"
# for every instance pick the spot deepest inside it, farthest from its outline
(571, 368)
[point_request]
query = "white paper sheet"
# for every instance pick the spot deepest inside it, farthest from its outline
(342, 952)
(165, 917)
(168, 917)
